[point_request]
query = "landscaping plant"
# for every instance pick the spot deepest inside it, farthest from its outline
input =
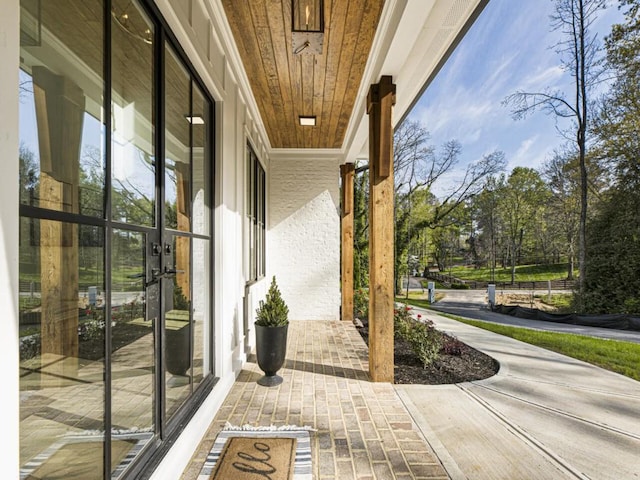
(272, 312)
(425, 340)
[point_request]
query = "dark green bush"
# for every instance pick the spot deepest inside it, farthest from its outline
(425, 340)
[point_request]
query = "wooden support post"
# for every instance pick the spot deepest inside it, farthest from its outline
(347, 173)
(60, 107)
(380, 103)
(182, 253)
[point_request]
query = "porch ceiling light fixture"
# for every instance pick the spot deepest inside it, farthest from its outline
(307, 26)
(122, 20)
(307, 121)
(195, 119)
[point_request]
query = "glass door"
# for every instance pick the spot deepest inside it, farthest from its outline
(177, 322)
(116, 331)
(135, 253)
(135, 313)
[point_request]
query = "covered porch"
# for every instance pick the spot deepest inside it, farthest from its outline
(272, 208)
(361, 429)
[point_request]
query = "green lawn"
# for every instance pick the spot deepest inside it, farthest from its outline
(124, 279)
(620, 357)
(524, 273)
(613, 355)
(563, 302)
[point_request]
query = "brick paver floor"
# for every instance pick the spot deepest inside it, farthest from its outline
(363, 430)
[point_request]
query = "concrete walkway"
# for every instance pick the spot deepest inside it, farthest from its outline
(543, 416)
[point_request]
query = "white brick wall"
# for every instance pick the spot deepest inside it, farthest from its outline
(303, 245)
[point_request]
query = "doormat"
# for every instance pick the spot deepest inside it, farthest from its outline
(302, 447)
(246, 458)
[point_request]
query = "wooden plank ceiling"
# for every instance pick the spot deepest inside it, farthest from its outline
(285, 85)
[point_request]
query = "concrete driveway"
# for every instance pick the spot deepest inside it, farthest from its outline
(473, 304)
(543, 416)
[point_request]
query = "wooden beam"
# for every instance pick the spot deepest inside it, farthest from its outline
(347, 172)
(59, 114)
(380, 103)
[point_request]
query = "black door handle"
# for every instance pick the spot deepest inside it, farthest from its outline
(156, 274)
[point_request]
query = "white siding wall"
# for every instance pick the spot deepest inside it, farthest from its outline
(304, 236)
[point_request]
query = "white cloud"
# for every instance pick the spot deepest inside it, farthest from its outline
(509, 48)
(549, 77)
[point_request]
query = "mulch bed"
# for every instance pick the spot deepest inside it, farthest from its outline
(468, 366)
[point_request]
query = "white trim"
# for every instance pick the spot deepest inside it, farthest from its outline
(179, 456)
(307, 153)
(219, 18)
(9, 227)
(413, 40)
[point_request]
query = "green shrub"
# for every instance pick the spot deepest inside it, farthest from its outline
(402, 321)
(272, 312)
(425, 341)
(460, 286)
(361, 304)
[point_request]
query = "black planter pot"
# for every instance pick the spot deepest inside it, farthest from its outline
(271, 348)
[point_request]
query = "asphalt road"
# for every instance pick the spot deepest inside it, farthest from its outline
(473, 304)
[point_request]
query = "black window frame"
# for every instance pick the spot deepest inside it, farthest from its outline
(256, 217)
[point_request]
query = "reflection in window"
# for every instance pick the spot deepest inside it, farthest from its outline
(201, 155)
(133, 342)
(201, 310)
(61, 153)
(178, 144)
(64, 319)
(62, 325)
(134, 166)
(178, 325)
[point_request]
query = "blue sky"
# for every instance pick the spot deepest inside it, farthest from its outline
(510, 47)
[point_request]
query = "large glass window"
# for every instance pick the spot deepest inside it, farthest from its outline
(255, 210)
(115, 239)
(62, 270)
(62, 329)
(187, 212)
(133, 186)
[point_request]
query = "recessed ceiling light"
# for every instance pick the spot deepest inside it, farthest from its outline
(307, 121)
(195, 120)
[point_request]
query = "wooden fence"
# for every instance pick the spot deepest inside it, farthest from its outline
(531, 285)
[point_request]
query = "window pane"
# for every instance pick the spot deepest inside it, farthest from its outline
(260, 212)
(178, 324)
(177, 144)
(201, 310)
(62, 328)
(134, 164)
(132, 342)
(61, 115)
(201, 157)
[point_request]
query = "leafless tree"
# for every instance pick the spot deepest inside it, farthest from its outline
(580, 55)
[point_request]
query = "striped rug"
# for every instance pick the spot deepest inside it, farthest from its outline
(302, 468)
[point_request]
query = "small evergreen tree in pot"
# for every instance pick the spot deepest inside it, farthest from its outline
(272, 322)
(272, 312)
